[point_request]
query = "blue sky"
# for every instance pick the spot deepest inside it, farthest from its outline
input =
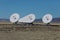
(25, 7)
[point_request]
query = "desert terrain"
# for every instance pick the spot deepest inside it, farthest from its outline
(42, 33)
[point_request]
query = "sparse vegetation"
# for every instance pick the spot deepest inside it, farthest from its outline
(21, 32)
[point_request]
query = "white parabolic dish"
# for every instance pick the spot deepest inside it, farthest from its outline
(14, 17)
(27, 19)
(47, 18)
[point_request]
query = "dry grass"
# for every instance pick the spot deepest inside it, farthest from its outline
(43, 33)
(30, 35)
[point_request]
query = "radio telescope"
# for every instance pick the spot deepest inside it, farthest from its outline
(14, 18)
(47, 18)
(27, 19)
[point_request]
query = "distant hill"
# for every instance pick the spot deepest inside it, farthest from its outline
(37, 20)
(4, 20)
(54, 20)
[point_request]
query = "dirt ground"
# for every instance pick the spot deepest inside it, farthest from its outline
(30, 35)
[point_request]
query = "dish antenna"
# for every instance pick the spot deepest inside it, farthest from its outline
(27, 19)
(47, 18)
(14, 18)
